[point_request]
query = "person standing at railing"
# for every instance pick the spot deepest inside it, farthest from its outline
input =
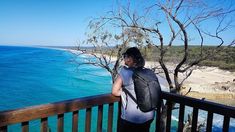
(132, 118)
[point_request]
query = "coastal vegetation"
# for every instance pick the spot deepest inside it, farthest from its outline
(224, 59)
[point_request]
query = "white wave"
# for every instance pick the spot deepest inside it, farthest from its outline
(174, 118)
(218, 120)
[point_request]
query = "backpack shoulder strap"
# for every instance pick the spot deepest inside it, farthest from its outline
(128, 93)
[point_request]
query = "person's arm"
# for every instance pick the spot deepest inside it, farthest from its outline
(117, 86)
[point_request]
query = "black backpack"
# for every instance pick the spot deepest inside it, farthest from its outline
(147, 89)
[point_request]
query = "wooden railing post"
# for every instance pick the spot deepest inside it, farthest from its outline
(88, 120)
(3, 129)
(60, 124)
(75, 121)
(194, 121)
(99, 120)
(226, 124)
(119, 115)
(44, 125)
(209, 122)
(181, 118)
(25, 126)
(158, 116)
(168, 120)
(110, 117)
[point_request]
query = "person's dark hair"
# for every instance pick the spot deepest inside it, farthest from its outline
(136, 55)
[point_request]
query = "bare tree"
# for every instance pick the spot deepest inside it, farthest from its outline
(100, 51)
(181, 19)
(163, 24)
(102, 44)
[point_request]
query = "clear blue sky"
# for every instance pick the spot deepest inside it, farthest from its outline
(51, 22)
(47, 22)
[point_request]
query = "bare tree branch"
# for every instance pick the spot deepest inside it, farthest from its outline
(178, 7)
(188, 91)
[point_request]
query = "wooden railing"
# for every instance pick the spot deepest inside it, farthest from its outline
(196, 104)
(42, 112)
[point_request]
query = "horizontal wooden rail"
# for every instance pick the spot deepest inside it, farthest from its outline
(200, 104)
(44, 111)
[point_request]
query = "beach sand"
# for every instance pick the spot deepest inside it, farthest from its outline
(213, 84)
(210, 83)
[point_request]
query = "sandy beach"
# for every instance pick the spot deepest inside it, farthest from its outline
(213, 84)
(209, 83)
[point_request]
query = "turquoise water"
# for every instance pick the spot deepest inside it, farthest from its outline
(31, 76)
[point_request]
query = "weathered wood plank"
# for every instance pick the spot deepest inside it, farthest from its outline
(168, 120)
(3, 129)
(99, 120)
(42, 111)
(25, 126)
(158, 117)
(75, 121)
(119, 115)
(209, 122)
(60, 123)
(88, 120)
(226, 124)
(44, 125)
(110, 117)
(194, 121)
(181, 118)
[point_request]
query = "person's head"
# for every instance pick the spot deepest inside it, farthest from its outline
(133, 58)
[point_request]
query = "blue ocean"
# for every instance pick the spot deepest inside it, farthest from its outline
(34, 75)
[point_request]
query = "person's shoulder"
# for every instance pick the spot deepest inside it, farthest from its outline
(122, 69)
(125, 69)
